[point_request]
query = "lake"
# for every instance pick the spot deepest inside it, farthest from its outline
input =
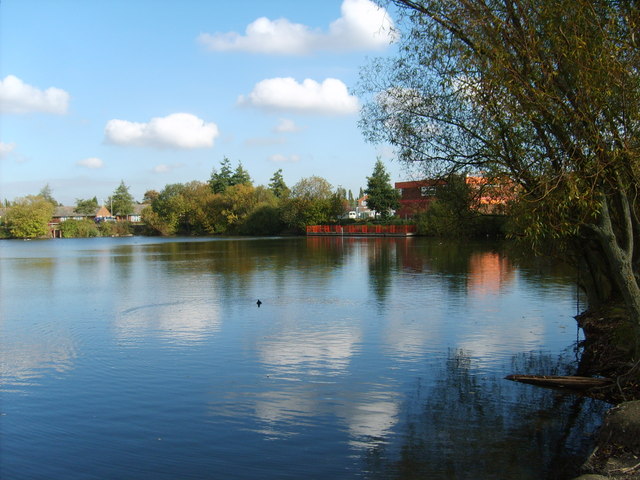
(369, 358)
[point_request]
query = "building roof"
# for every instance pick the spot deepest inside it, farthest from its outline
(65, 211)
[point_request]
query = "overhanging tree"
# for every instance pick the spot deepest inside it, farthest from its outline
(545, 93)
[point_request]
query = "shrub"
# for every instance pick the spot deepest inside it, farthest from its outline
(79, 229)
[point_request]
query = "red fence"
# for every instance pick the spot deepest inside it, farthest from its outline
(361, 229)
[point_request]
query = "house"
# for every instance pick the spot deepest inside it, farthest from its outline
(135, 216)
(416, 196)
(362, 210)
(60, 214)
(491, 196)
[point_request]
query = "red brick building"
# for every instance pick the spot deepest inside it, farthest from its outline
(416, 196)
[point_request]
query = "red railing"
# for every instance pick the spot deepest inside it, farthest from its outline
(361, 229)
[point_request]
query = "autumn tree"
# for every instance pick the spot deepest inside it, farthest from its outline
(546, 94)
(381, 196)
(29, 217)
(312, 202)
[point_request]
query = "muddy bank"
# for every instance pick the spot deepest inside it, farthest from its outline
(617, 452)
(610, 351)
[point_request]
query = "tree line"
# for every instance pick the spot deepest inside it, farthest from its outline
(228, 203)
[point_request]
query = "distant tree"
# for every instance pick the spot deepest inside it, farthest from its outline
(220, 180)
(121, 202)
(233, 207)
(182, 208)
(150, 196)
(241, 176)
(360, 194)
(312, 202)
(29, 217)
(381, 196)
(47, 193)
(277, 185)
(312, 188)
(352, 202)
(88, 206)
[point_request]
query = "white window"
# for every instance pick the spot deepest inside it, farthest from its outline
(428, 191)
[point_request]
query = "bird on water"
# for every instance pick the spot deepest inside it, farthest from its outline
(258, 303)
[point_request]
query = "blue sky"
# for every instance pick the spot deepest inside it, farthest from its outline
(155, 92)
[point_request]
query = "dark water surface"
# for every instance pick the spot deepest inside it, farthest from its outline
(144, 358)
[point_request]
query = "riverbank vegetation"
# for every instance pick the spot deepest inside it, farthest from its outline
(545, 94)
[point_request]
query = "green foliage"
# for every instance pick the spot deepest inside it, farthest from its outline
(527, 91)
(29, 217)
(220, 180)
(381, 196)
(225, 178)
(234, 206)
(150, 196)
(182, 208)
(263, 220)
(47, 193)
(278, 186)
(79, 229)
(311, 202)
(241, 176)
(312, 188)
(121, 202)
(88, 206)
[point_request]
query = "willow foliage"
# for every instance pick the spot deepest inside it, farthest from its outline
(546, 93)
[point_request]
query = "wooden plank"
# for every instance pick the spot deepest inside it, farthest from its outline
(564, 382)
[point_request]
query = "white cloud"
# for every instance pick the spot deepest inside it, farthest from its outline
(6, 149)
(91, 162)
(178, 130)
(362, 26)
(286, 125)
(19, 97)
(279, 158)
(164, 168)
(330, 97)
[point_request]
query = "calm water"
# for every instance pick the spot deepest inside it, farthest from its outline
(144, 358)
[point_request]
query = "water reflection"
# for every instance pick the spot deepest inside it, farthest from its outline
(385, 356)
(178, 321)
(489, 273)
(296, 352)
(27, 358)
(469, 426)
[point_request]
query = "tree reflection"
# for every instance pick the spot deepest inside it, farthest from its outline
(382, 261)
(467, 426)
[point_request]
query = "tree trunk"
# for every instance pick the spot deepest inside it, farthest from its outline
(620, 259)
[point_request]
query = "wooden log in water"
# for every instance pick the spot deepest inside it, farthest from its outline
(563, 382)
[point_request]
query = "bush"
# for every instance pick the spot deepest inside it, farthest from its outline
(265, 220)
(115, 229)
(79, 229)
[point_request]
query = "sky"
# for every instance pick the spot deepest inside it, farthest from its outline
(154, 92)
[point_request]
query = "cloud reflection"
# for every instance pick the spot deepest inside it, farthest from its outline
(23, 362)
(312, 353)
(180, 322)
